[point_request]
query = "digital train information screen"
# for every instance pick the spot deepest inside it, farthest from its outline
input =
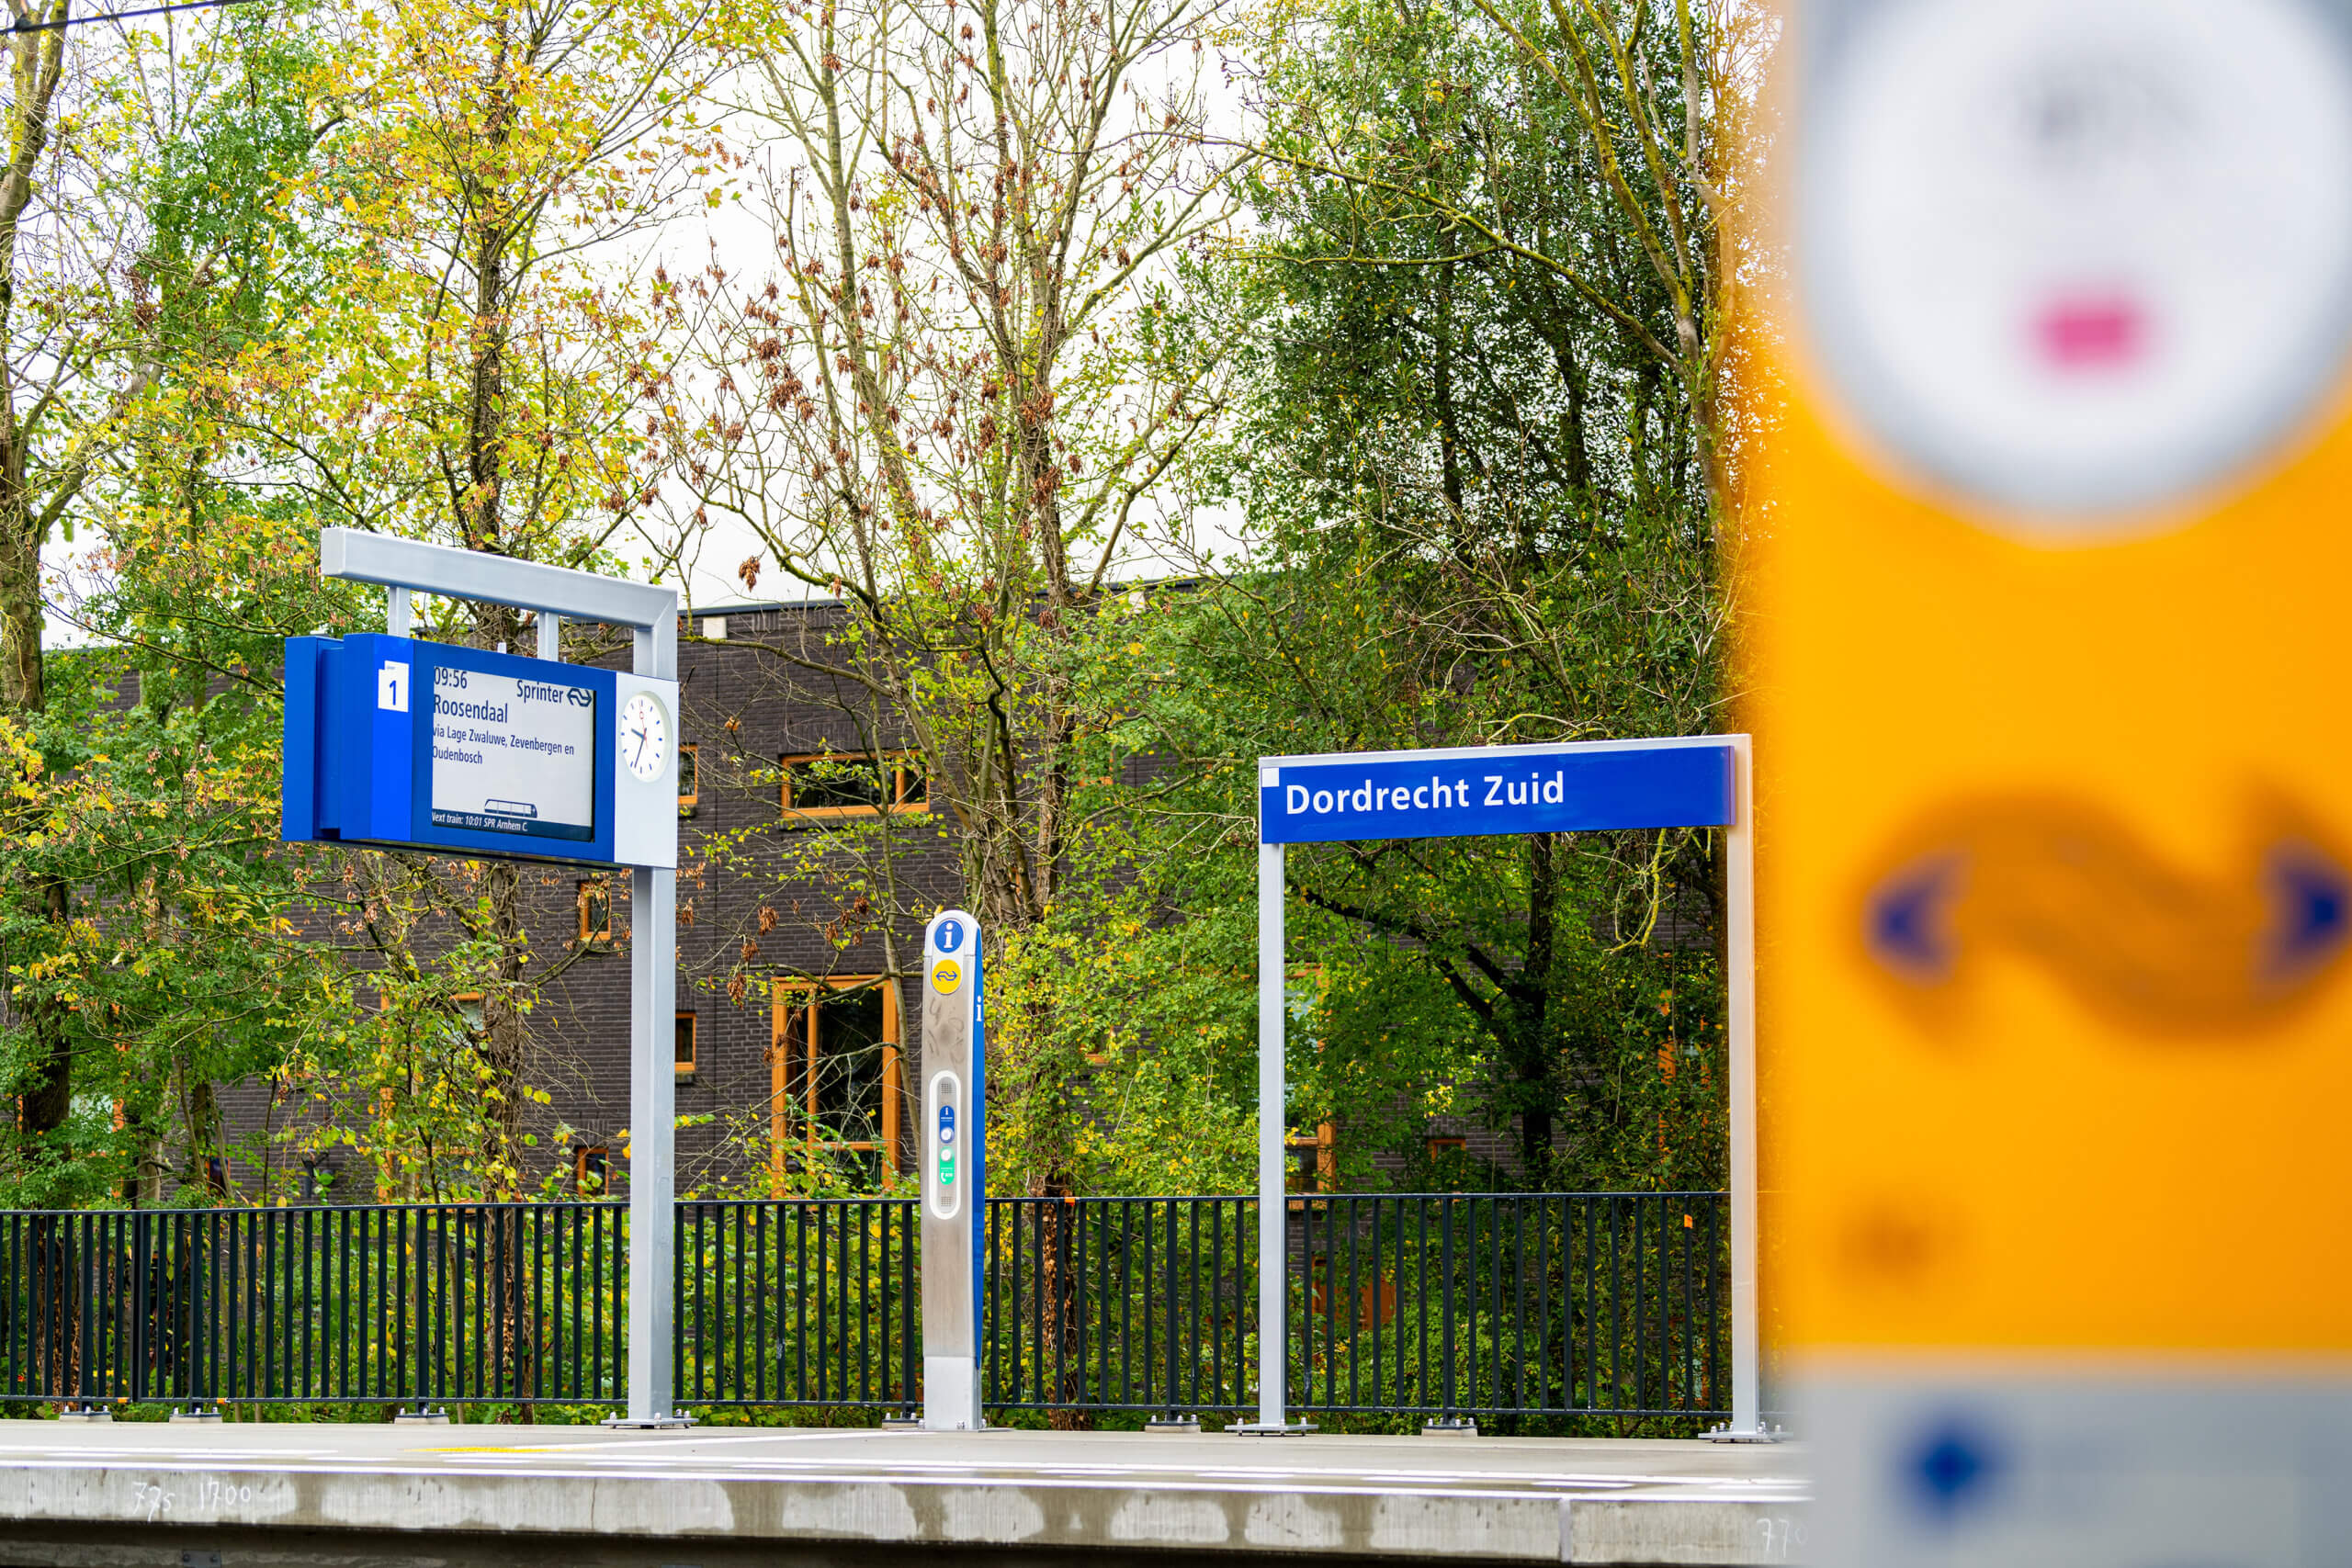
(513, 755)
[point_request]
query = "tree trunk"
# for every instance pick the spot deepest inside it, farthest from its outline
(36, 60)
(204, 1139)
(1059, 1300)
(21, 685)
(49, 1089)
(1530, 1039)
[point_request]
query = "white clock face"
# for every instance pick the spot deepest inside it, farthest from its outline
(2073, 257)
(645, 735)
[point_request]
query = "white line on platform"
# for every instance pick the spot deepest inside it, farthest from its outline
(703, 1438)
(209, 1456)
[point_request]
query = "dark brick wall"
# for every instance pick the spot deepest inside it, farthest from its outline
(742, 709)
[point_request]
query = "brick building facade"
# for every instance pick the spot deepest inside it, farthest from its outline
(809, 858)
(807, 850)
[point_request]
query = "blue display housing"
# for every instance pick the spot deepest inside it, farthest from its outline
(359, 747)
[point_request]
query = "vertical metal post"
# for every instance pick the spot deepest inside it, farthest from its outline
(88, 1347)
(1175, 1304)
(1739, 890)
(551, 636)
(1273, 1250)
(652, 1093)
(396, 612)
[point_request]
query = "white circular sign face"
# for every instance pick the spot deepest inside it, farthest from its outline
(644, 735)
(2075, 256)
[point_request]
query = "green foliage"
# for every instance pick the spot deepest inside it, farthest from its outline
(178, 968)
(224, 253)
(1122, 1051)
(1418, 989)
(1474, 458)
(309, 198)
(1463, 388)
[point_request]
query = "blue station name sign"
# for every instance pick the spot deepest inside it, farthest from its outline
(1583, 788)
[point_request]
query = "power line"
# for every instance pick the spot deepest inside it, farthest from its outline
(22, 25)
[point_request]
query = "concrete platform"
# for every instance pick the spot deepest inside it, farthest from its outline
(250, 1494)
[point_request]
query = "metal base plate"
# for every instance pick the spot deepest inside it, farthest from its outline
(1747, 1435)
(1449, 1428)
(648, 1424)
(1272, 1429)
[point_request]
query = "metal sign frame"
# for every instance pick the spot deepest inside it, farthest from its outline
(558, 593)
(1592, 785)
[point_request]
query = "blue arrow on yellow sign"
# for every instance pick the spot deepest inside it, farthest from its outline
(2062, 885)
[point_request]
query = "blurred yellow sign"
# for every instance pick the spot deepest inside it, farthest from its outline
(2047, 553)
(2050, 680)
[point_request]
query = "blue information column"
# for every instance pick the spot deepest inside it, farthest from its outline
(953, 1137)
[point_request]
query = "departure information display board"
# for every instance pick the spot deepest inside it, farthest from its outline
(403, 743)
(512, 755)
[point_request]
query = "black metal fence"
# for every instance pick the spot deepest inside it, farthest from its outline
(799, 1302)
(1547, 1304)
(473, 1303)
(1120, 1303)
(1540, 1304)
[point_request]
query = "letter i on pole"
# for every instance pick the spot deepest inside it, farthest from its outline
(953, 1133)
(538, 761)
(1701, 781)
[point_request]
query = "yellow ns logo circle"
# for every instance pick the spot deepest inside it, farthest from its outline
(945, 975)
